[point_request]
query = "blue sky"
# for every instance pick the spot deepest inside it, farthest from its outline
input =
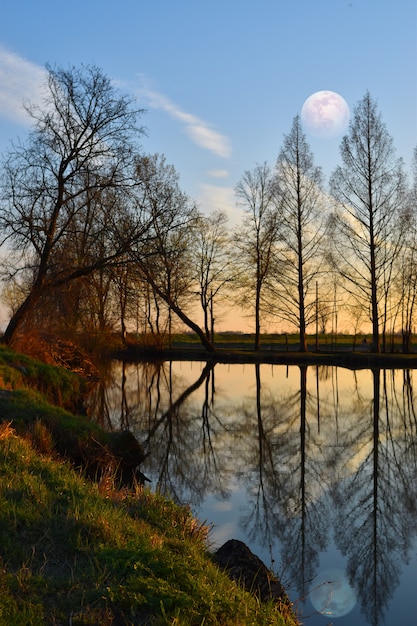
(222, 80)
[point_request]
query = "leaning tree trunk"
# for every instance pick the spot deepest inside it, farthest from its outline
(20, 315)
(180, 313)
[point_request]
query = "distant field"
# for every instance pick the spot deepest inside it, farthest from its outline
(287, 341)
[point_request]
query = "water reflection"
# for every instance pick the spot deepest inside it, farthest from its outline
(324, 461)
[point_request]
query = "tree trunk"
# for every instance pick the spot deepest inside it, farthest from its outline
(19, 316)
(376, 347)
(180, 313)
(303, 338)
(257, 317)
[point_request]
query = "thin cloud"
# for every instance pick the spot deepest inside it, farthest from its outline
(199, 131)
(20, 81)
(219, 173)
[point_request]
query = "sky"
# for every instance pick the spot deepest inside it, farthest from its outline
(220, 81)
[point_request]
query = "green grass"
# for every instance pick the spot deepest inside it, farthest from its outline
(82, 553)
(278, 341)
(279, 344)
(57, 384)
(73, 554)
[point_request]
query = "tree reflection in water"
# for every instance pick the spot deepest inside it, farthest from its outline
(320, 454)
(374, 521)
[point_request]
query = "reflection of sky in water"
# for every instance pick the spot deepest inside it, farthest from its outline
(237, 381)
(226, 515)
(339, 443)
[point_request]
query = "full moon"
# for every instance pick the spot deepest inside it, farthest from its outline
(332, 594)
(325, 114)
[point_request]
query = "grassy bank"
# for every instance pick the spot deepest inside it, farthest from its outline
(78, 552)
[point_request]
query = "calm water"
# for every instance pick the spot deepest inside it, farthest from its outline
(314, 468)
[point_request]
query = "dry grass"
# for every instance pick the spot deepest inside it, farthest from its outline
(6, 431)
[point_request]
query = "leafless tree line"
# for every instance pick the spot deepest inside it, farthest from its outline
(97, 235)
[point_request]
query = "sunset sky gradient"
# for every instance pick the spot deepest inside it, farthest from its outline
(221, 81)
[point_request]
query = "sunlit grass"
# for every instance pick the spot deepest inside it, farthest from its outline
(57, 384)
(70, 554)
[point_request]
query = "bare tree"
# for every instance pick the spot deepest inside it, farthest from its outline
(407, 283)
(301, 206)
(212, 260)
(255, 239)
(58, 184)
(369, 190)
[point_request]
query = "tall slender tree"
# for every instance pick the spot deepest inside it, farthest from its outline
(255, 239)
(212, 261)
(368, 188)
(301, 206)
(407, 284)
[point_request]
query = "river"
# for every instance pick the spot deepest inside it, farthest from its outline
(314, 468)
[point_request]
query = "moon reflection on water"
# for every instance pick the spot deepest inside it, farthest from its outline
(331, 593)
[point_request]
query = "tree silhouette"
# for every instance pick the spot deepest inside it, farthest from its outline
(301, 207)
(73, 177)
(255, 239)
(370, 191)
(372, 524)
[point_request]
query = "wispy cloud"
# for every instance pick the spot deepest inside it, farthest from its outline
(218, 173)
(20, 81)
(199, 131)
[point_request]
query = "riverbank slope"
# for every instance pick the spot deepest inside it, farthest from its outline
(88, 553)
